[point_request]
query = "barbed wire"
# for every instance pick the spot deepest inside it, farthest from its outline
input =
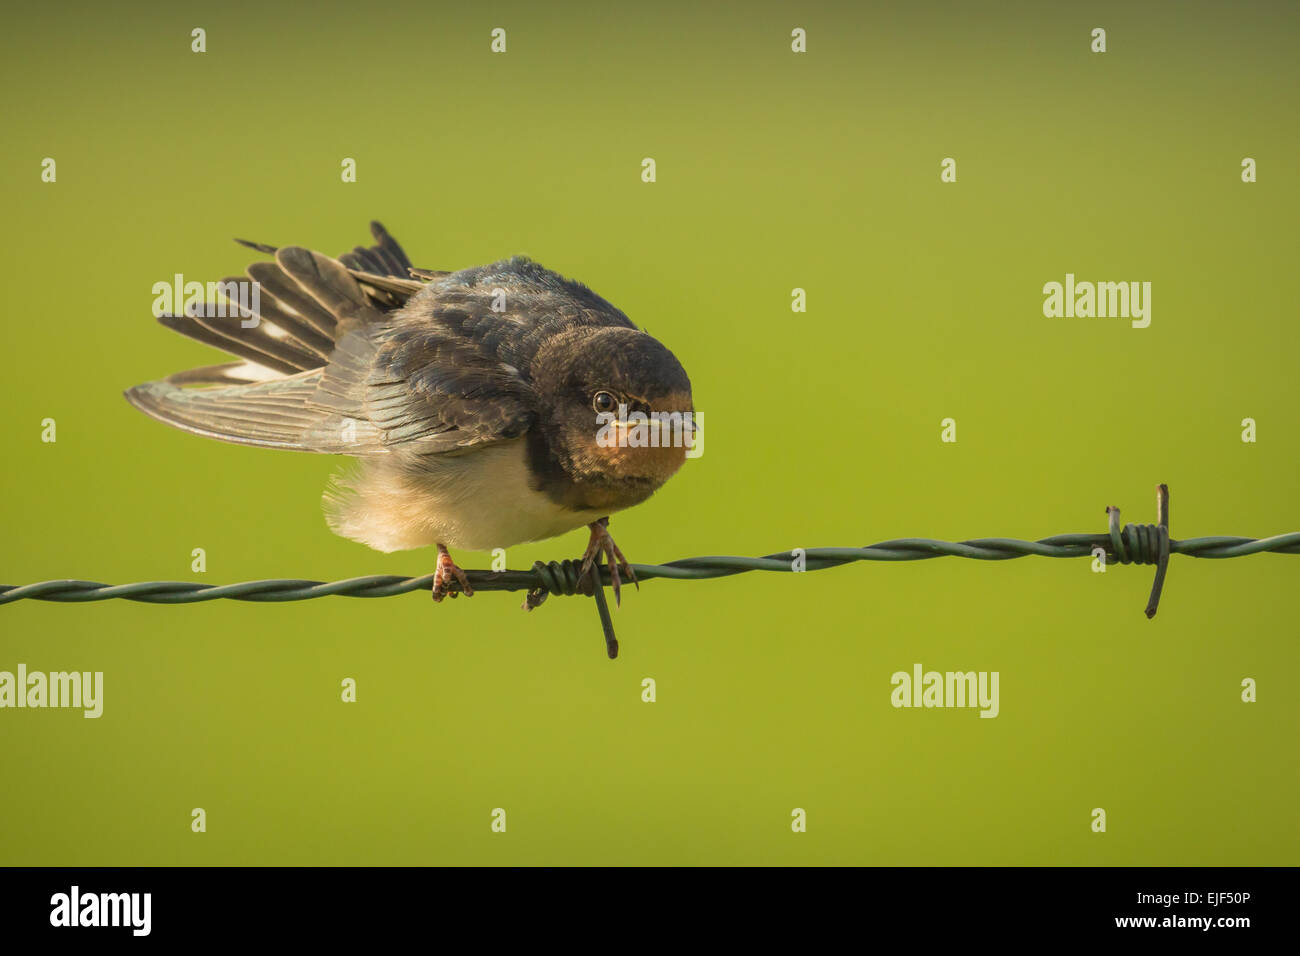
(1131, 544)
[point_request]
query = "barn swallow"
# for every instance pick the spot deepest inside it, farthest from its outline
(472, 401)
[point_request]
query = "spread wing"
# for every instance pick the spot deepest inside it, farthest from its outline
(356, 355)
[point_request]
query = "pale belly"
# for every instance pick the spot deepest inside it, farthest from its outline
(475, 502)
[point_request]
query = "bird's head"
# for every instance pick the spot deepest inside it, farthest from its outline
(618, 416)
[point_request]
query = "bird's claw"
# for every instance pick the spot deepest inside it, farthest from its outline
(445, 567)
(602, 543)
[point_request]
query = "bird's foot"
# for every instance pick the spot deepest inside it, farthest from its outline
(602, 543)
(447, 567)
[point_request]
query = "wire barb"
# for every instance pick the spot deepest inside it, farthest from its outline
(1144, 544)
(1132, 544)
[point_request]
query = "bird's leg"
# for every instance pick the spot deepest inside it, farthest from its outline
(445, 567)
(602, 543)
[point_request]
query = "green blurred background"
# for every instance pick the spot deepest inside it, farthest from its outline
(775, 171)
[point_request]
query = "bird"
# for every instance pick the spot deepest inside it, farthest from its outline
(484, 407)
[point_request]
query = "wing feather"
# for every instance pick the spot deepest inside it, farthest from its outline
(365, 354)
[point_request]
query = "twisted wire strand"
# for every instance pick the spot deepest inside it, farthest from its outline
(563, 577)
(1130, 544)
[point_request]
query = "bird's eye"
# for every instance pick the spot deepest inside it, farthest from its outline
(604, 402)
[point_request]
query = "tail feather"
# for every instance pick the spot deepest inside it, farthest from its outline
(190, 327)
(290, 306)
(262, 337)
